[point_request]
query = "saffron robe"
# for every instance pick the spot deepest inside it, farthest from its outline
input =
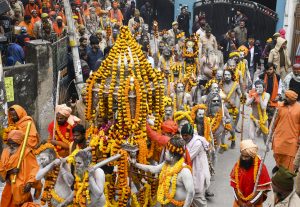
(33, 138)
(13, 194)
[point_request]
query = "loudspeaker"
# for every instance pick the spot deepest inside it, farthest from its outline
(4, 6)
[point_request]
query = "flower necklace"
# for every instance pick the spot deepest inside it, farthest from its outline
(216, 120)
(167, 179)
(60, 136)
(81, 189)
(263, 117)
(236, 175)
(50, 180)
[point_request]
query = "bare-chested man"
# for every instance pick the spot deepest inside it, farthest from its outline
(258, 100)
(95, 178)
(220, 119)
(232, 92)
(54, 170)
(174, 158)
(181, 99)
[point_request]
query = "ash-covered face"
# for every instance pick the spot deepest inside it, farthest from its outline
(214, 88)
(168, 111)
(219, 74)
(179, 88)
(227, 76)
(231, 64)
(161, 46)
(242, 55)
(167, 52)
(200, 115)
(44, 159)
(80, 165)
(259, 89)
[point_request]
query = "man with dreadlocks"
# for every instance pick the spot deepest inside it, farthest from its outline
(174, 175)
(220, 119)
(232, 92)
(58, 179)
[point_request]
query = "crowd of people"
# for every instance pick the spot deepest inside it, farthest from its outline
(179, 98)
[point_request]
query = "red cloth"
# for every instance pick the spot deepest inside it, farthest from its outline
(62, 147)
(246, 180)
(169, 126)
(157, 137)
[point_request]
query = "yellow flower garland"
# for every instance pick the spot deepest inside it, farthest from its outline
(263, 117)
(236, 176)
(81, 190)
(167, 179)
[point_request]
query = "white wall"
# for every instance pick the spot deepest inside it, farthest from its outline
(288, 23)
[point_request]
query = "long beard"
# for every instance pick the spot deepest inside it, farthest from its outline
(215, 108)
(246, 164)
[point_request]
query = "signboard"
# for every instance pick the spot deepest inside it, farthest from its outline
(9, 88)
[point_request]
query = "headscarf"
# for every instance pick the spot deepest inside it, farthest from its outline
(292, 95)
(249, 148)
(20, 112)
(284, 179)
(187, 129)
(169, 126)
(16, 135)
(64, 110)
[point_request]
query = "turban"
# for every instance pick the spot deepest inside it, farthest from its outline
(234, 54)
(16, 135)
(249, 148)
(63, 110)
(169, 126)
(296, 67)
(187, 129)
(292, 95)
(44, 15)
(284, 179)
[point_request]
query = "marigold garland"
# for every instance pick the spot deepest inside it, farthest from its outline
(167, 179)
(263, 117)
(236, 176)
(6, 132)
(81, 190)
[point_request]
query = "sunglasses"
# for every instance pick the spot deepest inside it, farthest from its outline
(215, 101)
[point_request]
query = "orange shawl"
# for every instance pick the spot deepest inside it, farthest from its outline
(274, 91)
(13, 193)
(33, 138)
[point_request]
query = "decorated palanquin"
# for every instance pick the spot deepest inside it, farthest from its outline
(123, 92)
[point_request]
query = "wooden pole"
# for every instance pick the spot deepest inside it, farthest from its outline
(269, 139)
(22, 150)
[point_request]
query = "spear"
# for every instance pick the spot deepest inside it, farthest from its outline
(269, 139)
(22, 151)
(243, 101)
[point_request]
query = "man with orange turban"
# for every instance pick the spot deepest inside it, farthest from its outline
(243, 177)
(18, 119)
(18, 193)
(287, 131)
(63, 129)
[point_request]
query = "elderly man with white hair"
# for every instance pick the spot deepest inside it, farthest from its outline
(243, 177)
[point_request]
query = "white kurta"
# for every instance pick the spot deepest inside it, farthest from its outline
(201, 174)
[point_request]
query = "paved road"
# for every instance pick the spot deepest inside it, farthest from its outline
(221, 186)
